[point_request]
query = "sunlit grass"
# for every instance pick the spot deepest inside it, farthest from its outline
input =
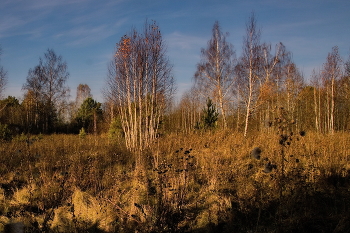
(196, 182)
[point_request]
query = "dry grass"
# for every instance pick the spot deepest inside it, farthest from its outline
(186, 183)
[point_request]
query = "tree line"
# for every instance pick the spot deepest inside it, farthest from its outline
(249, 90)
(244, 93)
(45, 107)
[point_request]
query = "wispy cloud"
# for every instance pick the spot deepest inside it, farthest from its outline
(285, 28)
(9, 22)
(182, 41)
(49, 5)
(82, 35)
(20, 17)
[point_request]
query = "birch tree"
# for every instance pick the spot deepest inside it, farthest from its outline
(345, 91)
(46, 83)
(190, 110)
(315, 81)
(249, 70)
(140, 84)
(214, 77)
(293, 85)
(275, 66)
(331, 73)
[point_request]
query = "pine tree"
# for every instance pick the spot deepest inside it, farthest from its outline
(210, 115)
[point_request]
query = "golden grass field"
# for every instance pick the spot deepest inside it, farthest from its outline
(200, 182)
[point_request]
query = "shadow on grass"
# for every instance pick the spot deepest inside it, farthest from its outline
(324, 207)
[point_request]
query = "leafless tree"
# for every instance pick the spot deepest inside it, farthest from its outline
(293, 85)
(315, 81)
(46, 83)
(190, 109)
(270, 61)
(331, 73)
(275, 69)
(343, 98)
(214, 77)
(347, 67)
(249, 69)
(83, 92)
(140, 84)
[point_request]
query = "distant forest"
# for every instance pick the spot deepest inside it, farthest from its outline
(240, 92)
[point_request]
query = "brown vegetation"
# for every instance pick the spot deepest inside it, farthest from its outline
(203, 182)
(266, 153)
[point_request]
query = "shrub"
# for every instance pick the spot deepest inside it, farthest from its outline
(82, 133)
(115, 130)
(5, 133)
(210, 116)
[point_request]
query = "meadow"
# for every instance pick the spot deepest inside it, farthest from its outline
(208, 181)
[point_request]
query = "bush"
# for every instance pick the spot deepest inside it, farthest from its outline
(82, 133)
(115, 130)
(5, 133)
(210, 116)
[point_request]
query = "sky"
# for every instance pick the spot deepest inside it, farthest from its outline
(85, 32)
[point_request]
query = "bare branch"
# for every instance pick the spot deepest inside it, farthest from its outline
(214, 77)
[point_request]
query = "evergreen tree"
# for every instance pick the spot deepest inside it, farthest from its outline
(210, 115)
(88, 113)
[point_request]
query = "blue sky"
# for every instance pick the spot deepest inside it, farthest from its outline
(85, 32)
